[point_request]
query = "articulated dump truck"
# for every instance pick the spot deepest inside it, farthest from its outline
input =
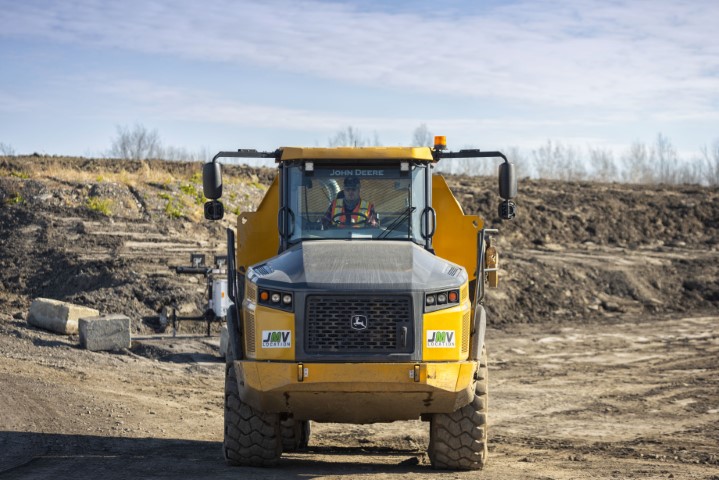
(358, 289)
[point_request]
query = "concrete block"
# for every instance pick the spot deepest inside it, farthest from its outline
(107, 332)
(224, 340)
(57, 316)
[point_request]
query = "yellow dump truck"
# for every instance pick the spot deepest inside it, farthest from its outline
(358, 288)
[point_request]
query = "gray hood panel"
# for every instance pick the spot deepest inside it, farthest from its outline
(348, 265)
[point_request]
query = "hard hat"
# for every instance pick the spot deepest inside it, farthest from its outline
(352, 181)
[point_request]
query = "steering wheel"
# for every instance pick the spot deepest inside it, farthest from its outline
(362, 219)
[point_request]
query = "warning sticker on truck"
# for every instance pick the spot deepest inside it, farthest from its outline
(440, 338)
(276, 338)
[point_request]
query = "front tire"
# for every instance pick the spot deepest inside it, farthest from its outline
(295, 434)
(458, 440)
(252, 438)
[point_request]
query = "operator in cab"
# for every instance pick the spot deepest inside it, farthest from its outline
(348, 210)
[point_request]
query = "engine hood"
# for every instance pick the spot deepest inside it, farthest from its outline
(348, 265)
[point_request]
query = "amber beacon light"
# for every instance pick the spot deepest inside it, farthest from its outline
(440, 142)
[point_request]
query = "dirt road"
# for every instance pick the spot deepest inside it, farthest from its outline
(619, 399)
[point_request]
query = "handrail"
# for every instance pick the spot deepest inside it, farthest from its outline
(481, 269)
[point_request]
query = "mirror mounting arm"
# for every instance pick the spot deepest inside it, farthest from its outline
(507, 177)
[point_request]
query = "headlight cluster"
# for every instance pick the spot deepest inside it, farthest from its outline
(275, 299)
(440, 300)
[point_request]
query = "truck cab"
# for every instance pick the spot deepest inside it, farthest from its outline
(358, 286)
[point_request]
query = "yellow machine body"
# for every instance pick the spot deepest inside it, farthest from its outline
(272, 380)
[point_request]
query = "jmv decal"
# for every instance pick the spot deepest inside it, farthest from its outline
(276, 339)
(440, 339)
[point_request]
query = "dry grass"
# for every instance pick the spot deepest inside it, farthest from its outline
(58, 171)
(180, 183)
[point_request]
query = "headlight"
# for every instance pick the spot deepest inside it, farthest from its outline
(275, 299)
(440, 300)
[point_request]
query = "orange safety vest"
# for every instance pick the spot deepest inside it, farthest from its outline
(363, 207)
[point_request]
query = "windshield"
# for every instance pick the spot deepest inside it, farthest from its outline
(356, 202)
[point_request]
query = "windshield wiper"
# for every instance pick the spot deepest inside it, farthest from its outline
(396, 222)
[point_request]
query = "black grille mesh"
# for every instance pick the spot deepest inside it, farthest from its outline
(329, 330)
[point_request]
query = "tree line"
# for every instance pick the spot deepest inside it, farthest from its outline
(656, 163)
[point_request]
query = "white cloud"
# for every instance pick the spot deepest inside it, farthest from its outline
(12, 104)
(158, 101)
(615, 56)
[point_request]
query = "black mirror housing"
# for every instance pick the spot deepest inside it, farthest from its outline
(507, 181)
(211, 182)
(214, 210)
(507, 210)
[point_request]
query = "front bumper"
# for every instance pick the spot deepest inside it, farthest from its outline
(356, 392)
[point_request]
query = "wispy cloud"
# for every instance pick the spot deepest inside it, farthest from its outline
(10, 104)
(611, 55)
(204, 106)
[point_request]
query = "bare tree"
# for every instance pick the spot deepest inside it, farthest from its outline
(602, 164)
(710, 162)
(6, 150)
(182, 154)
(690, 172)
(657, 164)
(137, 143)
(352, 137)
(665, 161)
(559, 162)
(522, 165)
(422, 137)
(636, 164)
(545, 161)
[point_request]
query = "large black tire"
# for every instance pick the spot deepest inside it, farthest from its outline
(458, 440)
(295, 434)
(252, 438)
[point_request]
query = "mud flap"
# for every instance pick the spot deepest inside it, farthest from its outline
(478, 328)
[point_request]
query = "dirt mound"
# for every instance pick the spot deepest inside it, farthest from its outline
(631, 216)
(104, 233)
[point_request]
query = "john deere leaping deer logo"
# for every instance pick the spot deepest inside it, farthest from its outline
(359, 322)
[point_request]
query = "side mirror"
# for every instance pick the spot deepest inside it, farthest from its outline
(507, 181)
(214, 210)
(507, 190)
(212, 180)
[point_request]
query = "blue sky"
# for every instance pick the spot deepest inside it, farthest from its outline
(220, 75)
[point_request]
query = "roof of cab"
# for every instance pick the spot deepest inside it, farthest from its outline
(357, 153)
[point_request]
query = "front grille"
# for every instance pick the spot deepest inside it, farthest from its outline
(329, 324)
